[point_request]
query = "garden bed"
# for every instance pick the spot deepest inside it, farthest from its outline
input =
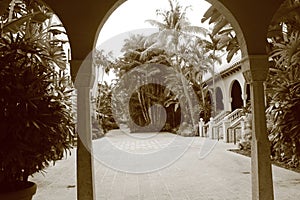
(274, 162)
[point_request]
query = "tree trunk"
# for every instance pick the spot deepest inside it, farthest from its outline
(189, 101)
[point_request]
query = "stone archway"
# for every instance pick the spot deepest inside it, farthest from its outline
(236, 96)
(207, 113)
(82, 24)
(219, 100)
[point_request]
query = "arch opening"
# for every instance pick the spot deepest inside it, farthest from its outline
(236, 96)
(248, 98)
(89, 73)
(219, 100)
(228, 13)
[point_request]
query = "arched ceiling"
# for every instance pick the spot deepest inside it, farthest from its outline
(83, 18)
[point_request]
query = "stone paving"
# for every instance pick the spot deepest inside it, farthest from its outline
(205, 171)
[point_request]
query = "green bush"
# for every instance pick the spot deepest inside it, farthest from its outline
(284, 100)
(35, 119)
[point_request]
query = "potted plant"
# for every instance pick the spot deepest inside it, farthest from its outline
(36, 122)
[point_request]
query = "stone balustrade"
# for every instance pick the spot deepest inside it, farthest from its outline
(221, 126)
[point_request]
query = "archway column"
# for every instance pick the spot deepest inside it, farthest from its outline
(85, 168)
(255, 73)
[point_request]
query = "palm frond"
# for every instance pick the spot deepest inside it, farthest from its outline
(155, 23)
(195, 30)
(219, 25)
(287, 53)
(210, 11)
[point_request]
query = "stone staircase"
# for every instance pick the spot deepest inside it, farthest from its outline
(226, 126)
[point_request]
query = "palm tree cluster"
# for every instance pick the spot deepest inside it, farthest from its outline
(186, 55)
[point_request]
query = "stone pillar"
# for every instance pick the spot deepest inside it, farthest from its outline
(243, 127)
(85, 182)
(244, 97)
(230, 101)
(201, 131)
(261, 172)
(85, 170)
(210, 128)
(226, 124)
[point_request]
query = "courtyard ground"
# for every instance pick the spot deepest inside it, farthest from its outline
(205, 171)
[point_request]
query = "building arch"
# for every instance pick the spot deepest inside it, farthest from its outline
(95, 12)
(236, 95)
(219, 100)
(83, 21)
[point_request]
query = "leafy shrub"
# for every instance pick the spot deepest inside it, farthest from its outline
(35, 119)
(104, 108)
(284, 100)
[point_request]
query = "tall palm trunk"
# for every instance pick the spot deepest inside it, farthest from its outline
(189, 101)
(185, 88)
(143, 103)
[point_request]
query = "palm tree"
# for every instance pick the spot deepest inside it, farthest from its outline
(222, 34)
(132, 62)
(287, 15)
(200, 57)
(134, 42)
(174, 36)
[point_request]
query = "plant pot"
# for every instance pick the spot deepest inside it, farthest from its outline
(23, 194)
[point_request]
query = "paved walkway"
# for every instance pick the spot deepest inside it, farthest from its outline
(199, 174)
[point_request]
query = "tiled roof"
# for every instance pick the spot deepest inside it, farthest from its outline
(226, 68)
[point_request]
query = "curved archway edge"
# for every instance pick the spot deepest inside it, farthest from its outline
(84, 20)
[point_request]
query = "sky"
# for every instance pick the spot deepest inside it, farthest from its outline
(131, 15)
